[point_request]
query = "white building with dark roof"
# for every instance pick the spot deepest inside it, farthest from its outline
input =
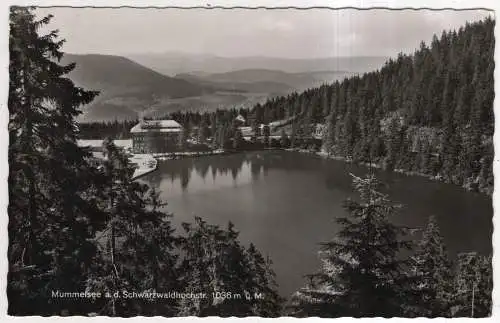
(156, 136)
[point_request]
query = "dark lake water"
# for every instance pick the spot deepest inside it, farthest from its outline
(287, 202)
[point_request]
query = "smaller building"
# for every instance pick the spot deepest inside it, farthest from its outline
(319, 131)
(240, 119)
(246, 131)
(156, 136)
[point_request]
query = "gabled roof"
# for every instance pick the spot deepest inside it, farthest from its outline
(157, 126)
(240, 118)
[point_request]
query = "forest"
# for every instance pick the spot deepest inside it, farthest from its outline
(429, 113)
(81, 225)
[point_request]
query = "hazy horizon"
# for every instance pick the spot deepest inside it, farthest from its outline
(240, 33)
(178, 53)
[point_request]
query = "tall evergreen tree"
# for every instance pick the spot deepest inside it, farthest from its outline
(266, 131)
(432, 274)
(284, 140)
(238, 140)
(136, 244)
(364, 274)
(473, 286)
(215, 263)
(51, 216)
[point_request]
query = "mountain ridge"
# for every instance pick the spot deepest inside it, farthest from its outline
(278, 81)
(126, 87)
(172, 63)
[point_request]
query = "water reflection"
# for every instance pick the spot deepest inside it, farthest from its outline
(201, 168)
(421, 197)
(236, 165)
(302, 195)
(252, 166)
(255, 168)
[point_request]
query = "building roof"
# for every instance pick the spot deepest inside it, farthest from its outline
(157, 126)
(240, 118)
(97, 143)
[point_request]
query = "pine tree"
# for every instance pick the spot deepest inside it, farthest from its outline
(486, 180)
(364, 274)
(329, 138)
(284, 140)
(293, 135)
(238, 140)
(136, 243)
(266, 131)
(432, 277)
(394, 143)
(185, 135)
(426, 160)
(473, 286)
(51, 216)
(215, 263)
(450, 152)
(319, 297)
(204, 133)
(262, 288)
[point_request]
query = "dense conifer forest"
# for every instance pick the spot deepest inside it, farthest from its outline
(428, 113)
(112, 129)
(81, 231)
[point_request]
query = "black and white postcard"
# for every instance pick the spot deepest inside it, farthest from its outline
(249, 161)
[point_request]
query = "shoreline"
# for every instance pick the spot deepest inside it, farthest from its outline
(148, 163)
(157, 157)
(145, 165)
(322, 154)
(191, 154)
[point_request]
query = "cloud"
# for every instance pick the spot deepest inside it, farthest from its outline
(285, 33)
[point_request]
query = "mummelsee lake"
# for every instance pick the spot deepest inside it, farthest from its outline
(286, 203)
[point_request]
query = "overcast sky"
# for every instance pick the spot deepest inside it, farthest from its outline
(276, 33)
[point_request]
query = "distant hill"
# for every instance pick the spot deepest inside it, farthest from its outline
(126, 86)
(297, 81)
(203, 82)
(242, 84)
(177, 63)
(272, 82)
(260, 75)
